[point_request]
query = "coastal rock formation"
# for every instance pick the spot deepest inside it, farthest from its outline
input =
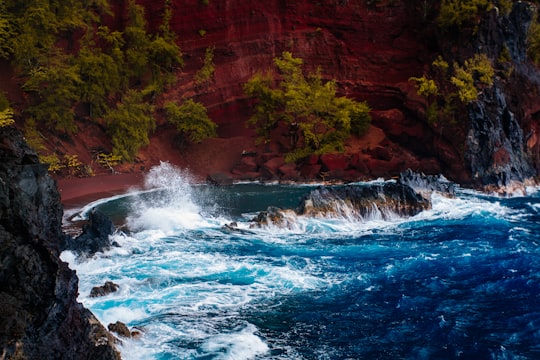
(496, 143)
(406, 197)
(368, 201)
(105, 289)
(95, 236)
(40, 317)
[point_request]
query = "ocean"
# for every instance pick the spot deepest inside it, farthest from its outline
(458, 281)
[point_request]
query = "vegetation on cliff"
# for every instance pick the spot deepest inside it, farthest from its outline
(319, 121)
(72, 65)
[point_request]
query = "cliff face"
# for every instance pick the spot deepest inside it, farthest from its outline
(371, 48)
(372, 51)
(40, 317)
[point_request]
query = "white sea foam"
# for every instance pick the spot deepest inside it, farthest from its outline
(243, 344)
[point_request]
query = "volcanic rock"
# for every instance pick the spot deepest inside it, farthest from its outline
(95, 236)
(40, 315)
(107, 288)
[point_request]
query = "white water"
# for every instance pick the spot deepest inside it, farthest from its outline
(187, 283)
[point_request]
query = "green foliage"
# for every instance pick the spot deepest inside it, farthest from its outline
(476, 72)
(6, 113)
(268, 109)
(533, 42)
(129, 124)
(101, 76)
(207, 71)
(109, 160)
(323, 119)
(6, 117)
(32, 135)
(53, 161)
(191, 120)
(73, 164)
(460, 13)
(424, 86)
(55, 91)
(450, 89)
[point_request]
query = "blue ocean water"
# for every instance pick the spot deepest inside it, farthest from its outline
(461, 280)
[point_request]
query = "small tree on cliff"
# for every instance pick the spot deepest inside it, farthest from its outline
(308, 105)
(191, 121)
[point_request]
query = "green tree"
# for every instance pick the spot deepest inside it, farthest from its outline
(55, 90)
(207, 71)
(269, 106)
(129, 124)
(191, 120)
(308, 103)
(460, 13)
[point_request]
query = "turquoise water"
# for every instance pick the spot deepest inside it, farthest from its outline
(461, 280)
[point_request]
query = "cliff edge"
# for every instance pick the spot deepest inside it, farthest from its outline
(40, 317)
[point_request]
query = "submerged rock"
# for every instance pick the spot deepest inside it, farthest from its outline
(40, 315)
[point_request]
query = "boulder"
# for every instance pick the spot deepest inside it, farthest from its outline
(95, 236)
(107, 288)
(331, 162)
(120, 328)
(426, 184)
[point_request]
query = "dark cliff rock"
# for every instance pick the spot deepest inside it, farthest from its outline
(495, 143)
(364, 201)
(40, 317)
(95, 236)
(496, 150)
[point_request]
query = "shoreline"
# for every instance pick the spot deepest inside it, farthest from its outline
(77, 192)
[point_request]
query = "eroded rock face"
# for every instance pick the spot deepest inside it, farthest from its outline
(364, 201)
(40, 317)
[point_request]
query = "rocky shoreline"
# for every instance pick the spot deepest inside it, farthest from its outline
(40, 315)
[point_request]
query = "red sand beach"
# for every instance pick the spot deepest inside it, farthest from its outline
(76, 192)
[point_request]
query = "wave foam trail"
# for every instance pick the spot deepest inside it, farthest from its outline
(236, 346)
(171, 207)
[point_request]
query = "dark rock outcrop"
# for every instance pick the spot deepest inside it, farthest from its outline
(95, 236)
(40, 317)
(106, 289)
(427, 184)
(495, 144)
(364, 201)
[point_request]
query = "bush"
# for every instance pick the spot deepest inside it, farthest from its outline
(129, 124)
(191, 120)
(307, 103)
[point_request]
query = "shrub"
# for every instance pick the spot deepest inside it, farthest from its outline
(191, 120)
(129, 124)
(207, 71)
(323, 119)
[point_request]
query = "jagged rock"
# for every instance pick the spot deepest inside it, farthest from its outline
(495, 143)
(426, 184)
(107, 288)
(120, 328)
(40, 315)
(95, 236)
(274, 216)
(365, 200)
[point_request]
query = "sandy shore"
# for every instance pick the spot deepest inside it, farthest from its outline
(76, 192)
